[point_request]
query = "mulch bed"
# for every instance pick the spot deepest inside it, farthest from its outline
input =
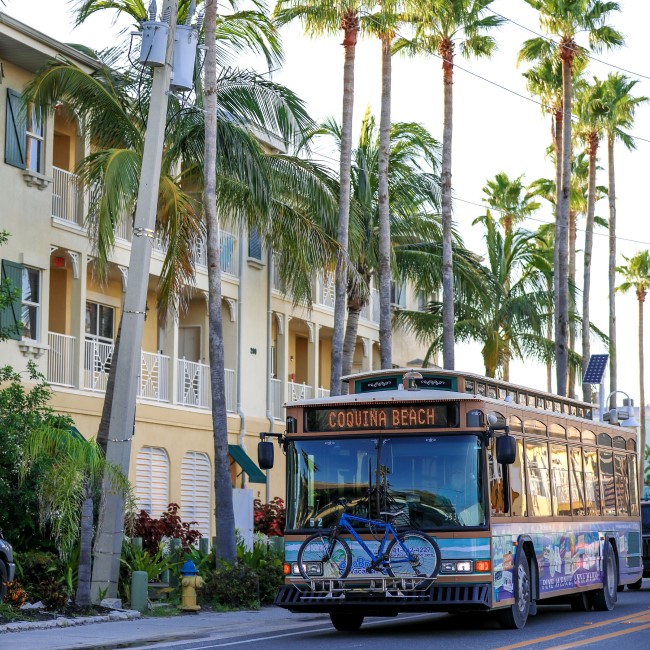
(69, 611)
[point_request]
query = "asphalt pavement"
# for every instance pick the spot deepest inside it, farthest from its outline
(135, 632)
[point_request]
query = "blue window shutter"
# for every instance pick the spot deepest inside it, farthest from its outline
(10, 317)
(254, 244)
(15, 131)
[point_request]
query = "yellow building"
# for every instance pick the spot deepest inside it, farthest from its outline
(274, 352)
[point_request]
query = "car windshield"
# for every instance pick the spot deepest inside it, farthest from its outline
(438, 480)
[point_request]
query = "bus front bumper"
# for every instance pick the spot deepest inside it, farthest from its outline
(436, 598)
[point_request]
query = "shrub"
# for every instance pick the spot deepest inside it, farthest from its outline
(231, 586)
(267, 565)
(271, 578)
(16, 596)
(42, 575)
(269, 518)
(152, 531)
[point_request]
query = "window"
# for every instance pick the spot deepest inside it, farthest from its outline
(152, 480)
(607, 482)
(518, 483)
(556, 431)
(99, 322)
(577, 482)
(196, 488)
(254, 244)
(397, 294)
(560, 480)
(495, 475)
(23, 135)
(592, 488)
(30, 305)
(10, 316)
(535, 428)
(538, 479)
(634, 486)
(622, 481)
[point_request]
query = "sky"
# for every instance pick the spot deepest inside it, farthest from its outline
(496, 128)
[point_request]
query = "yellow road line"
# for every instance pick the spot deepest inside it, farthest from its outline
(641, 616)
(602, 637)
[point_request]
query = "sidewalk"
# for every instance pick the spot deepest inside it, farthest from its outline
(183, 628)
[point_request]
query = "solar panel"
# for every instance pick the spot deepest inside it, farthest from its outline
(595, 369)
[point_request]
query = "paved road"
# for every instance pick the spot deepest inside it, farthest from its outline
(554, 627)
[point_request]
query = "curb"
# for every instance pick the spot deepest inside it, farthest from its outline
(20, 626)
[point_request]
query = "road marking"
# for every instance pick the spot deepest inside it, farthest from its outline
(602, 637)
(633, 618)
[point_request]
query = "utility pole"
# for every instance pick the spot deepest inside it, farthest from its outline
(108, 545)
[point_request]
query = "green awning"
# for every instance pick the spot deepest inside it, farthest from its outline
(255, 474)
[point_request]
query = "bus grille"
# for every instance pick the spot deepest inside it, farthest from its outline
(436, 598)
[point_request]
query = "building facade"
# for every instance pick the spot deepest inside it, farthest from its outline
(274, 352)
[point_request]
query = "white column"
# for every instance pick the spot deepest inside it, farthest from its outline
(313, 362)
(78, 318)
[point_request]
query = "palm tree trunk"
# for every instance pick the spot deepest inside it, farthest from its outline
(385, 333)
(350, 26)
(641, 298)
(557, 143)
(102, 431)
(225, 519)
(355, 305)
(549, 336)
(611, 198)
(589, 240)
(448, 317)
(82, 597)
(573, 217)
(562, 317)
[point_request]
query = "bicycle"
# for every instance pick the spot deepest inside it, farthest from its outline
(408, 554)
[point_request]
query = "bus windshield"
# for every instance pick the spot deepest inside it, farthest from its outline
(438, 480)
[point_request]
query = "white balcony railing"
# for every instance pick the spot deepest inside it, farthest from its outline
(326, 289)
(65, 196)
(60, 359)
(154, 376)
(194, 385)
(322, 392)
(97, 364)
(276, 399)
(228, 247)
(374, 302)
(297, 392)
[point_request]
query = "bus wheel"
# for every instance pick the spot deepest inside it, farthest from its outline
(581, 602)
(346, 622)
(605, 598)
(636, 585)
(514, 617)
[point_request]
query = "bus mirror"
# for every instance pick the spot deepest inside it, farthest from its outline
(506, 450)
(265, 454)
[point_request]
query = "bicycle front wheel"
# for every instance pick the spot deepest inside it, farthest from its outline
(413, 555)
(324, 555)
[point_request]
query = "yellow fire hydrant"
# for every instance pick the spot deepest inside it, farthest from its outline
(189, 584)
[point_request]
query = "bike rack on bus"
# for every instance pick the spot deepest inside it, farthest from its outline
(333, 588)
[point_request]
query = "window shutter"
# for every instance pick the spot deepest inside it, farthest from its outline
(152, 480)
(15, 131)
(10, 316)
(196, 488)
(254, 244)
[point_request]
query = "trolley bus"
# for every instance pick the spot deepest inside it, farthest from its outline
(528, 498)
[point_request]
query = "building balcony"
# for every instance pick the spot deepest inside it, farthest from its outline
(66, 197)
(192, 378)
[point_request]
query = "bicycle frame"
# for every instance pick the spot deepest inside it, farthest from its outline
(378, 559)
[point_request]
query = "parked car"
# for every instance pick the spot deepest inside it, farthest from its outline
(7, 566)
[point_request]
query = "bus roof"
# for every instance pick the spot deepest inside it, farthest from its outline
(400, 395)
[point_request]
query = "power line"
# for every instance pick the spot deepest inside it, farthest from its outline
(582, 51)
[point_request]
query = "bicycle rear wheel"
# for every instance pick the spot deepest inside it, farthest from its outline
(324, 555)
(413, 555)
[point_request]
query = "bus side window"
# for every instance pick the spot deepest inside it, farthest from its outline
(577, 482)
(607, 482)
(622, 485)
(592, 486)
(518, 504)
(539, 480)
(634, 491)
(497, 506)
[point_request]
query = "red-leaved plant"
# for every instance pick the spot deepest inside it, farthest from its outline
(169, 525)
(269, 518)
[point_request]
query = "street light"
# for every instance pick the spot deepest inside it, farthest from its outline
(623, 416)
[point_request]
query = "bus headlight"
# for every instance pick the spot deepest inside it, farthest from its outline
(311, 568)
(457, 566)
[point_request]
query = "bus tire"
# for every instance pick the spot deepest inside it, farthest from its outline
(581, 602)
(514, 616)
(605, 597)
(346, 622)
(635, 585)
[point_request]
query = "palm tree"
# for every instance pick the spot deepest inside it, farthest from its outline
(75, 466)
(514, 202)
(565, 20)
(441, 26)
(414, 197)
(504, 321)
(319, 18)
(637, 277)
(618, 121)
(590, 109)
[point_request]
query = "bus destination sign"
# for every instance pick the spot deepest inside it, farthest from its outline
(373, 418)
